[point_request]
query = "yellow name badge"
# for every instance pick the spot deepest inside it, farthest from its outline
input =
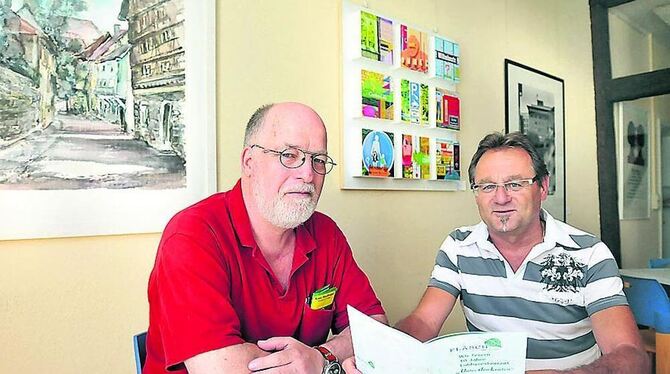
(322, 298)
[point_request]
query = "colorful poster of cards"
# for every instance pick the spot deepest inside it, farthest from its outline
(413, 48)
(376, 38)
(423, 157)
(447, 159)
(410, 164)
(376, 95)
(377, 153)
(448, 110)
(447, 59)
(414, 102)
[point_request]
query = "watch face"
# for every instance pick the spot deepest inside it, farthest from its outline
(333, 368)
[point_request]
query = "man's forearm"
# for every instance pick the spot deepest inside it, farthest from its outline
(340, 345)
(624, 359)
(415, 327)
(231, 359)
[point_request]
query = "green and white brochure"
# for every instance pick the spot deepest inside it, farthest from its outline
(382, 349)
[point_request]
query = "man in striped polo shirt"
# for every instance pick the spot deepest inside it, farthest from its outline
(521, 270)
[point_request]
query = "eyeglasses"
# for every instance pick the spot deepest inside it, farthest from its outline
(510, 187)
(293, 158)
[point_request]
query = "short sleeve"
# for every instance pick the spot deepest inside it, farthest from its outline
(446, 275)
(354, 286)
(193, 296)
(603, 287)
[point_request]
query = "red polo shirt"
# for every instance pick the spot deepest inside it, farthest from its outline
(211, 287)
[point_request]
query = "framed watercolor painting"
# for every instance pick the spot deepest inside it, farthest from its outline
(108, 115)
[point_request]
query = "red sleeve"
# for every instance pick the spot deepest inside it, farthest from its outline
(193, 294)
(354, 287)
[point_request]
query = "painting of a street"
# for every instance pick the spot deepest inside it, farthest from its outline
(92, 94)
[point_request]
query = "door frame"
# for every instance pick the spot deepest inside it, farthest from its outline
(607, 92)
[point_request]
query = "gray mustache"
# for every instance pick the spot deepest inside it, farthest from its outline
(302, 188)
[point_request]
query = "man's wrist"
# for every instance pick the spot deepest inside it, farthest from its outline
(324, 361)
(331, 364)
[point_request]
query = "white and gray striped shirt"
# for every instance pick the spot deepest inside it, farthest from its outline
(562, 281)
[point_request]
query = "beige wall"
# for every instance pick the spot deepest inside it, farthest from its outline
(71, 305)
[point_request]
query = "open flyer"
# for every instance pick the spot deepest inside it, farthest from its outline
(382, 349)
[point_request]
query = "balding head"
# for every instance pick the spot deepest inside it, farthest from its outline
(259, 117)
(283, 196)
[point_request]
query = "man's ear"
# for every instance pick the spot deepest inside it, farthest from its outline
(544, 186)
(246, 160)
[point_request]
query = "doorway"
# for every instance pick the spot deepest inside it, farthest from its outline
(631, 62)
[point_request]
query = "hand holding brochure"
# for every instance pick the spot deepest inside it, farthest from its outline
(382, 349)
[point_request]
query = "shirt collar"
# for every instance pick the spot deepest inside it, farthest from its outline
(239, 216)
(554, 234)
(479, 234)
(558, 233)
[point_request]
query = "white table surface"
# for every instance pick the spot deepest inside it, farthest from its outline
(662, 275)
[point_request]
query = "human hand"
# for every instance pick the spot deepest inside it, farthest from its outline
(288, 355)
(349, 366)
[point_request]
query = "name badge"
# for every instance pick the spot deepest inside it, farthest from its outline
(322, 298)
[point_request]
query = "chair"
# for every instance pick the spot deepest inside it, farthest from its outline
(140, 348)
(651, 308)
(659, 263)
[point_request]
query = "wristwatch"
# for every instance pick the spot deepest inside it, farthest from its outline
(332, 365)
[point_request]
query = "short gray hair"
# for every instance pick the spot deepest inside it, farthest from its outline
(496, 140)
(255, 123)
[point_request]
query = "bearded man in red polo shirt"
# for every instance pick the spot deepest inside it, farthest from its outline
(253, 279)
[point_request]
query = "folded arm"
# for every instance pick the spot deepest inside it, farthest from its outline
(231, 359)
(274, 355)
(292, 356)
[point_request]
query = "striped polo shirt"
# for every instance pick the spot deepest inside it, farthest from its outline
(562, 281)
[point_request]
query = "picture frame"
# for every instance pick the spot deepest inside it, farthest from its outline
(633, 132)
(47, 213)
(400, 84)
(535, 106)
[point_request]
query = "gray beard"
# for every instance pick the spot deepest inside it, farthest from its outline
(282, 212)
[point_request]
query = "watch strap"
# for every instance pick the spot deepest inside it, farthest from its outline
(326, 353)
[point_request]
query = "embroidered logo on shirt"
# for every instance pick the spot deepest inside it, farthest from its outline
(561, 273)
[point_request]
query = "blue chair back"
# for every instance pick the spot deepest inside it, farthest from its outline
(649, 302)
(659, 263)
(140, 348)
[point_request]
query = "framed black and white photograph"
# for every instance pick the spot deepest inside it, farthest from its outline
(534, 106)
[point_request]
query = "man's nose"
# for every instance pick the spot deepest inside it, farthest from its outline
(305, 171)
(501, 195)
